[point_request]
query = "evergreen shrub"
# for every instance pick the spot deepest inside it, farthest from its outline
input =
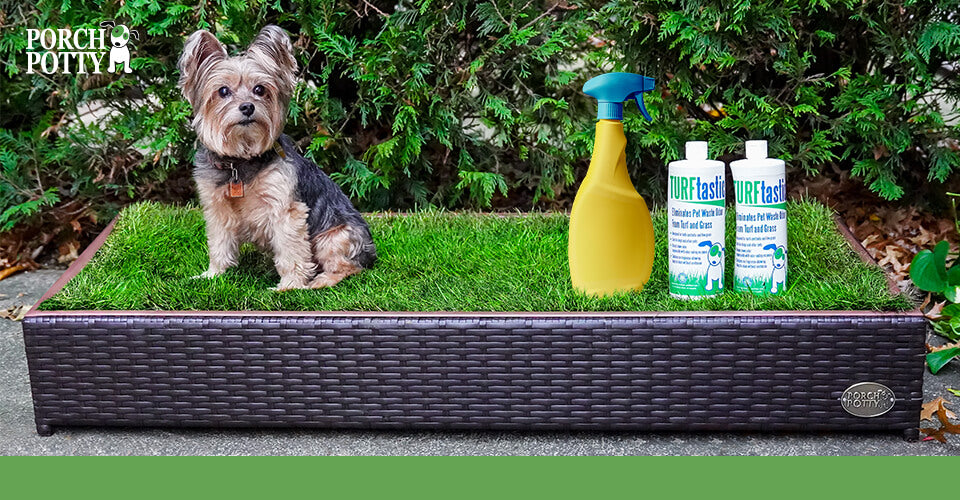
(457, 103)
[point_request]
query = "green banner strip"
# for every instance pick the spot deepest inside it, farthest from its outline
(464, 477)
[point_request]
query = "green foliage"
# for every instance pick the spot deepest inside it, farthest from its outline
(949, 323)
(938, 359)
(103, 140)
(439, 261)
(20, 154)
(929, 272)
(871, 85)
(419, 103)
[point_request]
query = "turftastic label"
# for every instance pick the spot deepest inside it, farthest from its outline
(696, 220)
(764, 192)
(761, 247)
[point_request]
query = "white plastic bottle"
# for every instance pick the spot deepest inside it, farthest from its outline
(696, 193)
(760, 264)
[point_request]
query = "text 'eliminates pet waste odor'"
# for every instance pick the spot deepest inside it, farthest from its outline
(760, 264)
(696, 193)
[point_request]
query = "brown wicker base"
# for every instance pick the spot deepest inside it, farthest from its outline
(773, 371)
(640, 372)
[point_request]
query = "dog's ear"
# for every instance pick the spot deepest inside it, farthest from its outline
(201, 51)
(272, 48)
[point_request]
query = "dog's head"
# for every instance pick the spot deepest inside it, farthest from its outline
(715, 254)
(779, 255)
(119, 36)
(239, 103)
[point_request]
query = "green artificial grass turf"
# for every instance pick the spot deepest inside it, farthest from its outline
(436, 261)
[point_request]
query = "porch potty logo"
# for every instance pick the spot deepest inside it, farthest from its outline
(79, 51)
(867, 399)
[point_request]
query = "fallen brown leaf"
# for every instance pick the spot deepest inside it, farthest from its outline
(926, 301)
(943, 415)
(934, 311)
(934, 434)
(15, 313)
(925, 238)
(69, 252)
(12, 270)
(870, 239)
(894, 250)
(942, 347)
(929, 409)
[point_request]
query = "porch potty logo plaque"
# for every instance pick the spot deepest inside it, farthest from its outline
(88, 50)
(867, 399)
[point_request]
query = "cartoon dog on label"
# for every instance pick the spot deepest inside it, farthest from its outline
(779, 274)
(119, 52)
(714, 264)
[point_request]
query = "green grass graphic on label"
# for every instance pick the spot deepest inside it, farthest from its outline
(692, 284)
(756, 286)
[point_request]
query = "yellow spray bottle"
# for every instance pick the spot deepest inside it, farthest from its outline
(611, 234)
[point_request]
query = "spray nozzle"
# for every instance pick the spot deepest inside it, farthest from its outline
(611, 89)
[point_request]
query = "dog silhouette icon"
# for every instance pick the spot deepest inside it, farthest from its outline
(119, 52)
(714, 261)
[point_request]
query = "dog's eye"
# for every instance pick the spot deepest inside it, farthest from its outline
(258, 90)
(224, 92)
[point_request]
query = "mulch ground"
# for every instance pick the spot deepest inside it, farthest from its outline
(891, 232)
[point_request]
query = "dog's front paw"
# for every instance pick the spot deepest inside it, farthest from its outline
(209, 273)
(285, 285)
(323, 280)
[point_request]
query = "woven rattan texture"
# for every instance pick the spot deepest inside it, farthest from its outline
(632, 373)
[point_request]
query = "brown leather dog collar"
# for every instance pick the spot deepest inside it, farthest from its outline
(235, 185)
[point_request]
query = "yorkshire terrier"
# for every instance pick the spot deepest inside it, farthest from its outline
(253, 183)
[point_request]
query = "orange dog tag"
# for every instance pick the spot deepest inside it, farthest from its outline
(236, 186)
(236, 190)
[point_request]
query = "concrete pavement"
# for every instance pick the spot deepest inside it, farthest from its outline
(18, 434)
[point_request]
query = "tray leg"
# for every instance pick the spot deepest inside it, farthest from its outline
(911, 434)
(44, 430)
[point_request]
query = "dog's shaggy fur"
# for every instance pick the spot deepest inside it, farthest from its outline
(288, 205)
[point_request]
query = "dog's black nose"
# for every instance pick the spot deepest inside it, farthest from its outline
(246, 108)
